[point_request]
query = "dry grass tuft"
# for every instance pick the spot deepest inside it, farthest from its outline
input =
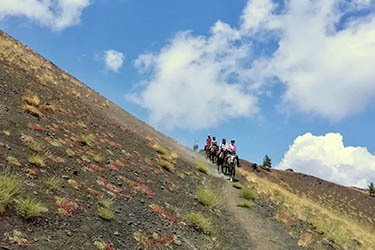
(53, 182)
(105, 209)
(32, 110)
(37, 160)
(87, 139)
(97, 158)
(31, 99)
(207, 196)
(180, 175)
(202, 167)
(30, 207)
(160, 150)
(200, 222)
(10, 185)
(31, 143)
(248, 194)
(48, 108)
(167, 165)
(14, 161)
(237, 185)
(245, 204)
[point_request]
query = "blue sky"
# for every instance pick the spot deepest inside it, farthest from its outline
(294, 80)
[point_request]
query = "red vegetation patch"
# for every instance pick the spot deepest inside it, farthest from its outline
(140, 155)
(161, 211)
(16, 237)
(138, 187)
(146, 170)
(112, 188)
(93, 168)
(70, 142)
(94, 192)
(36, 127)
(113, 167)
(33, 171)
(57, 160)
(143, 181)
(150, 241)
(66, 206)
(102, 181)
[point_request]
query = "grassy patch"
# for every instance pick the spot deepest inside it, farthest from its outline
(10, 185)
(245, 204)
(200, 222)
(167, 165)
(52, 182)
(105, 209)
(237, 185)
(37, 160)
(31, 143)
(30, 207)
(70, 152)
(32, 110)
(31, 99)
(97, 158)
(13, 160)
(7, 132)
(202, 167)
(87, 139)
(207, 196)
(248, 194)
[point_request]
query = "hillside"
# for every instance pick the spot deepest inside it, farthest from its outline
(100, 175)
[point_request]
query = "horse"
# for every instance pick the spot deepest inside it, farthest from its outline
(213, 153)
(221, 162)
(232, 162)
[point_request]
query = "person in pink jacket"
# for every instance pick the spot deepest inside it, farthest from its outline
(232, 150)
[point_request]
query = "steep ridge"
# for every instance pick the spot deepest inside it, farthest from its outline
(106, 180)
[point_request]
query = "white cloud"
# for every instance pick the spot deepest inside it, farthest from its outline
(56, 14)
(325, 62)
(326, 157)
(113, 59)
(195, 80)
(327, 71)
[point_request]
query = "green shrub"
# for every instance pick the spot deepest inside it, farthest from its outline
(30, 207)
(180, 175)
(52, 182)
(237, 185)
(87, 139)
(105, 209)
(245, 204)
(37, 160)
(202, 167)
(10, 185)
(200, 222)
(248, 194)
(207, 196)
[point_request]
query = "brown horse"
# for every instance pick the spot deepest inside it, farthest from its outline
(213, 153)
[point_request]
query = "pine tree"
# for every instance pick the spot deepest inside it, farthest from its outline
(371, 189)
(267, 162)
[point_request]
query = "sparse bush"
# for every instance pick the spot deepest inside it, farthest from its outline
(207, 196)
(13, 160)
(87, 139)
(52, 182)
(245, 204)
(31, 99)
(10, 185)
(267, 162)
(31, 143)
(248, 194)
(202, 167)
(371, 189)
(200, 222)
(167, 165)
(237, 185)
(105, 209)
(30, 207)
(32, 110)
(37, 160)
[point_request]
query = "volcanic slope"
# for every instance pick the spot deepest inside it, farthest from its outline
(78, 172)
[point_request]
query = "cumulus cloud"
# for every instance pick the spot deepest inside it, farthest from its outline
(56, 14)
(326, 157)
(113, 59)
(324, 55)
(195, 80)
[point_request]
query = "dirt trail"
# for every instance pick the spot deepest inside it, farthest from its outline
(264, 231)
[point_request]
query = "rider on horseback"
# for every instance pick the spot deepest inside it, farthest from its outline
(213, 142)
(232, 150)
(208, 141)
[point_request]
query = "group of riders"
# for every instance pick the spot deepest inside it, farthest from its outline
(223, 155)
